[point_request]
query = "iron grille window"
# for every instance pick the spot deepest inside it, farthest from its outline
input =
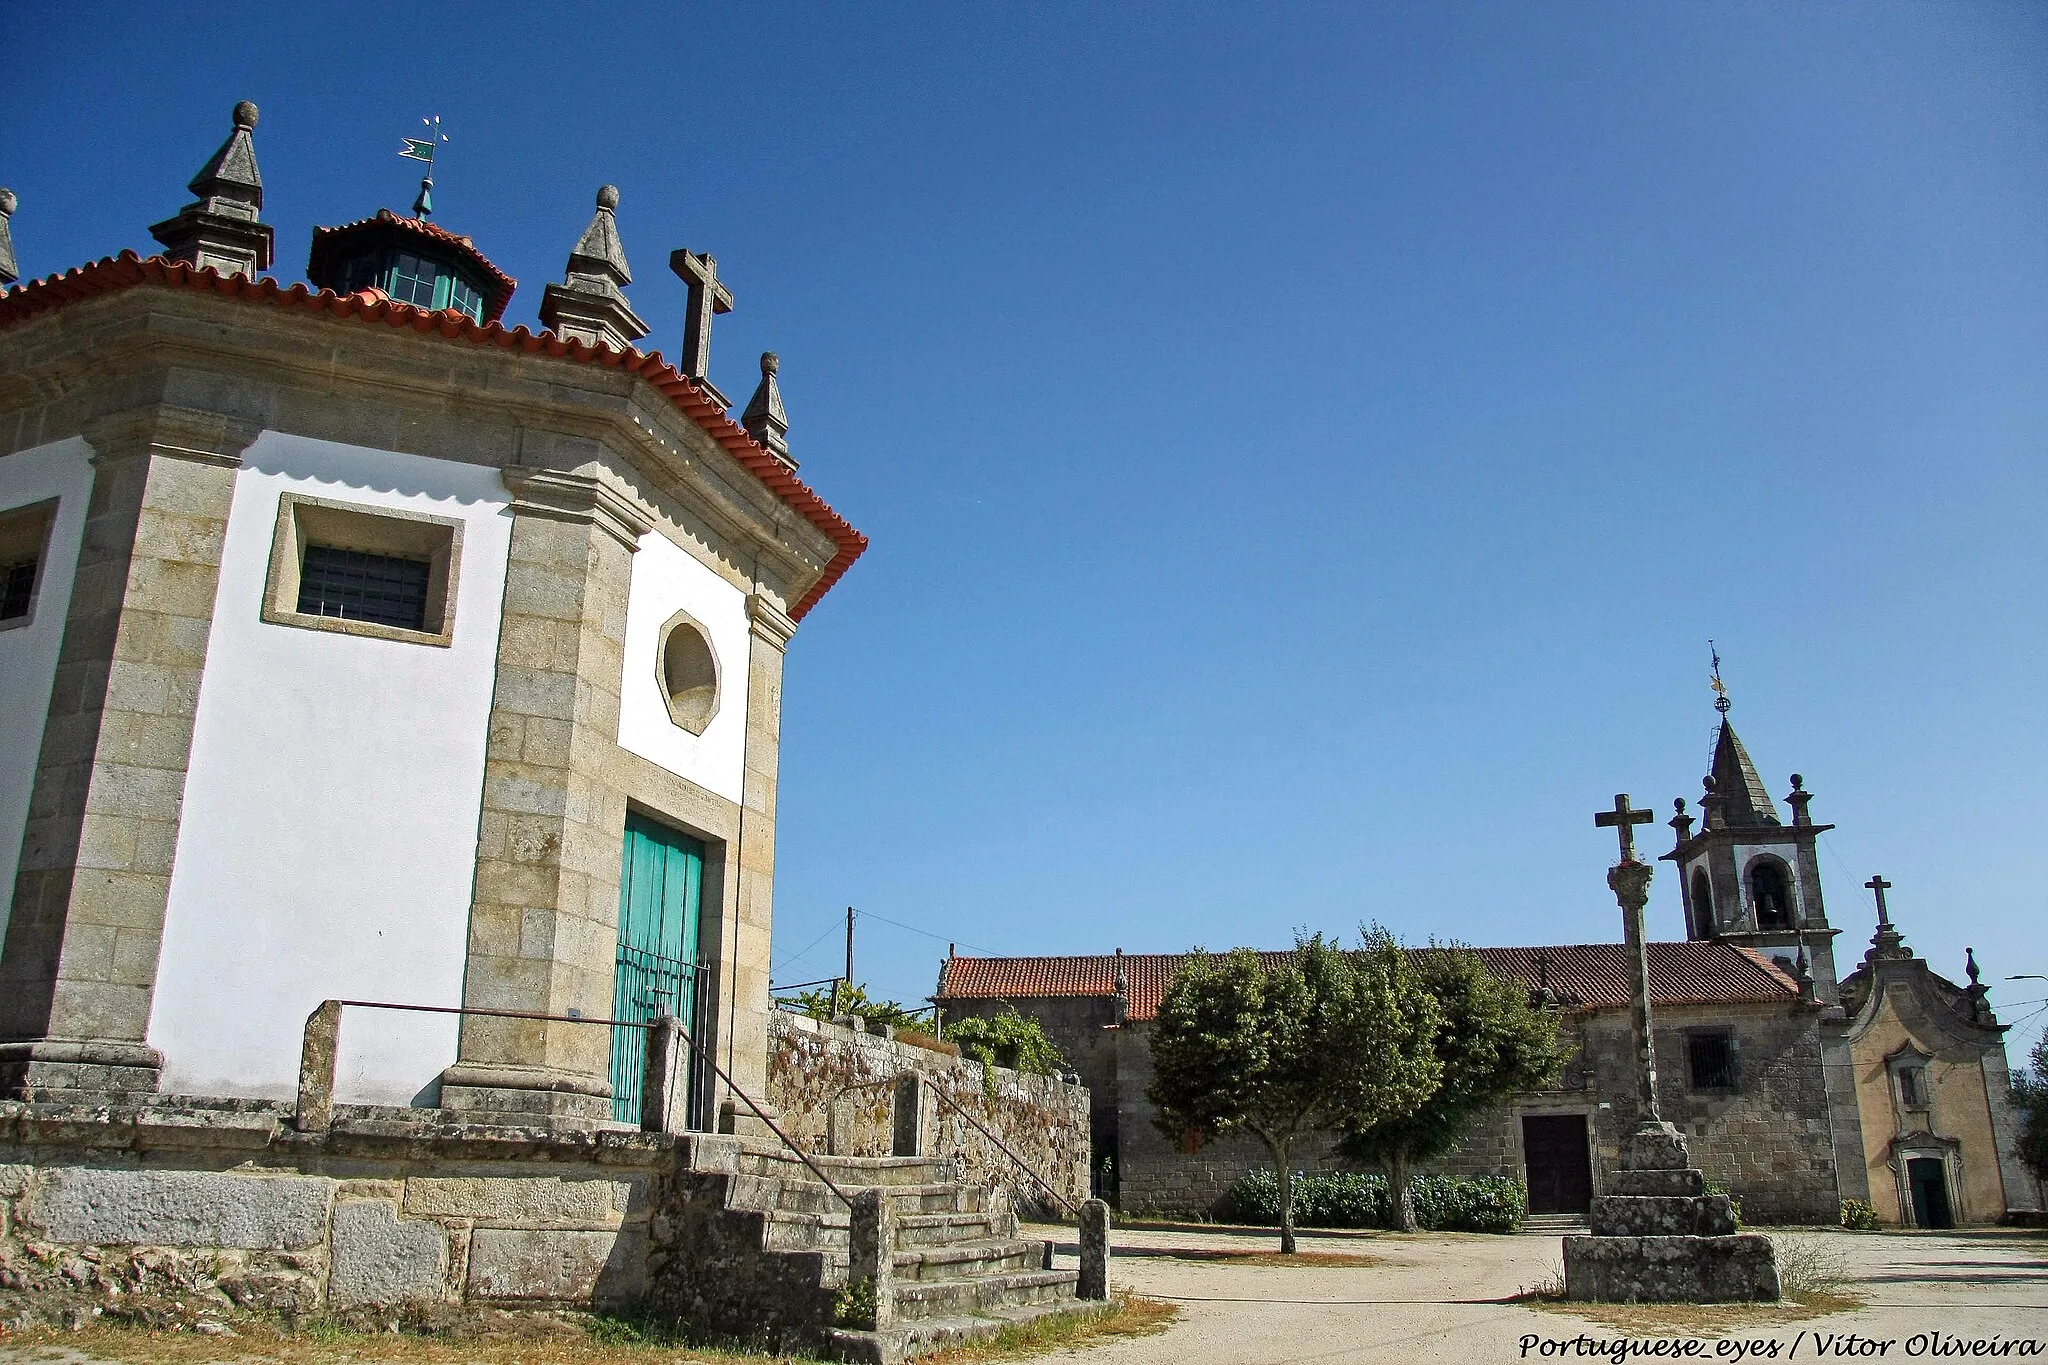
(17, 589)
(1713, 1060)
(356, 586)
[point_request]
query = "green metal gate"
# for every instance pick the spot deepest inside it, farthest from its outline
(661, 886)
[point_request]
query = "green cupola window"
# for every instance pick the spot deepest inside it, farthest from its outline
(412, 261)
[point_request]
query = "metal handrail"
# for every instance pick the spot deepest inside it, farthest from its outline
(313, 1020)
(1004, 1147)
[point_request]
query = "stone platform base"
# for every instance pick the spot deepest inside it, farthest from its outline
(1671, 1269)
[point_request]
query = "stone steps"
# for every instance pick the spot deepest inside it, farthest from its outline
(979, 1293)
(959, 1260)
(942, 1229)
(923, 1336)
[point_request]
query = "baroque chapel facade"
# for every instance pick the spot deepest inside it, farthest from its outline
(358, 646)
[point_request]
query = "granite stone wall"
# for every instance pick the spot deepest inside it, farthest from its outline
(841, 1092)
(178, 1212)
(1768, 1138)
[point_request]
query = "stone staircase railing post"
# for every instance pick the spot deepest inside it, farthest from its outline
(1094, 1282)
(907, 1114)
(659, 1073)
(315, 1110)
(871, 1251)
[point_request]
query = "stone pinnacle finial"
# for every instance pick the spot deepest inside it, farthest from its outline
(764, 418)
(9, 272)
(589, 304)
(221, 229)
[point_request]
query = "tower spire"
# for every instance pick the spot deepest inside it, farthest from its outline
(220, 230)
(589, 305)
(764, 418)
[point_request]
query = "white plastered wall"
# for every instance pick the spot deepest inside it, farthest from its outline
(328, 845)
(28, 654)
(667, 579)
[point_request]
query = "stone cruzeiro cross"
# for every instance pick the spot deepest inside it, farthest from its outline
(1879, 885)
(708, 296)
(1630, 882)
(1623, 818)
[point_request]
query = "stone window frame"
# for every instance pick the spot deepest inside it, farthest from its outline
(370, 529)
(1726, 1033)
(1910, 1059)
(694, 708)
(19, 530)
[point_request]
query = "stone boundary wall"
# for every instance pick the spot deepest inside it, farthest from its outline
(839, 1094)
(232, 1207)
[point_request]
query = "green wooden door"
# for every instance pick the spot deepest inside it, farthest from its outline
(661, 885)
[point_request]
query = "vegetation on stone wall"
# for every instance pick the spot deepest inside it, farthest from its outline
(1007, 1039)
(854, 999)
(1492, 1040)
(1354, 1199)
(1332, 1039)
(1858, 1216)
(2030, 1098)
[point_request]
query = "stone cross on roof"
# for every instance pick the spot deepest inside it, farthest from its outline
(1623, 818)
(708, 297)
(1879, 886)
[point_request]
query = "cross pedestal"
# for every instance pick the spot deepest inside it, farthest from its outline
(1657, 1235)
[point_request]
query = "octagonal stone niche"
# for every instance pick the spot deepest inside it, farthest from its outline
(686, 671)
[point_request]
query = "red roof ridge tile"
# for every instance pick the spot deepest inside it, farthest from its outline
(112, 274)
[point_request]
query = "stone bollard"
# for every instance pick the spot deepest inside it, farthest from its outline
(659, 1075)
(316, 1069)
(871, 1251)
(1094, 1282)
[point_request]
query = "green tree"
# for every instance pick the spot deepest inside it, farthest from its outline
(2030, 1097)
(1490, 1041)
(1331, 1039)
(854, 999)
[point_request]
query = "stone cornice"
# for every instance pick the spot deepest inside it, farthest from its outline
(306, 374)
(170, 432)
(768, 621)
(576, 496)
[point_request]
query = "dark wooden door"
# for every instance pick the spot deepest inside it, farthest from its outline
(1559, 1164)
(1930, 1192)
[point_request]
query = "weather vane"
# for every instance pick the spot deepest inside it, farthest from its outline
(1721, 702)
(422, 149)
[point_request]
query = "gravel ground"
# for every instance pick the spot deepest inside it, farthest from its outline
(1441, 1297)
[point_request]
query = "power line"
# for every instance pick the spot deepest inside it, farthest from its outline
(869, 914)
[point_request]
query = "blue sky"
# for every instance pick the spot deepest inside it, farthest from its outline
(1306, 449)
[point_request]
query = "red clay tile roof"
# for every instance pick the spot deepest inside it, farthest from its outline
(128, 271)
(328, 240)
(1596, 974)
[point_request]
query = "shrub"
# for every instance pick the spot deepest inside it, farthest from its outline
(1352, 1199)
(1008, 1039)
(1858, 1216)
(1734, 1200)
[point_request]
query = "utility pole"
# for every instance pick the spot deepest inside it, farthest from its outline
(849, 948)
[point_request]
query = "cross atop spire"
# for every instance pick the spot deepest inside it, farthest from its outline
(1623, 819)
(708, 297)
(1878, 886)
(220, 229)
(1887, 941)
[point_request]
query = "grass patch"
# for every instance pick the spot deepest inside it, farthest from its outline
(1812, 1275)
(524, 1339)
(1300, 1260)
(1126, 1316)
(551, 1340)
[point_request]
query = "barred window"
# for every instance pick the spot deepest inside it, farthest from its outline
(24, 546)
(353, 585)
(1712, 1056)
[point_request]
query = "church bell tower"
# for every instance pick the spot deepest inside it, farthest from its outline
(1748, 878)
